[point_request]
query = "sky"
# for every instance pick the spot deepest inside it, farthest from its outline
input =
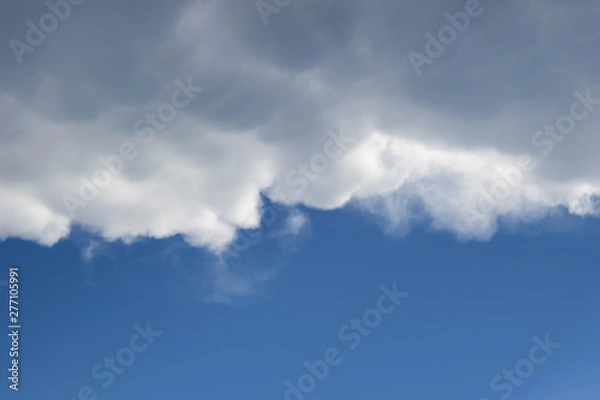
(284, 199)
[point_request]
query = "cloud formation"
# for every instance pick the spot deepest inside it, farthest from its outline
(320, 107)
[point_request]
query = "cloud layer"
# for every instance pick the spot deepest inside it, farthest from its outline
(200, 109)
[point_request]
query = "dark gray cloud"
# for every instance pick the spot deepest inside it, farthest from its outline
(271, 96)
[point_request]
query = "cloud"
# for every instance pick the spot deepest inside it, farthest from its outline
(295, 223)
(228, 283)
(425, 149)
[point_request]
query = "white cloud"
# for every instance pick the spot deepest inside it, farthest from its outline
(423, 152)
(295, 223)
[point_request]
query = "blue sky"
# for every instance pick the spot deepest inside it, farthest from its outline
(472, 311)
(284, 199)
